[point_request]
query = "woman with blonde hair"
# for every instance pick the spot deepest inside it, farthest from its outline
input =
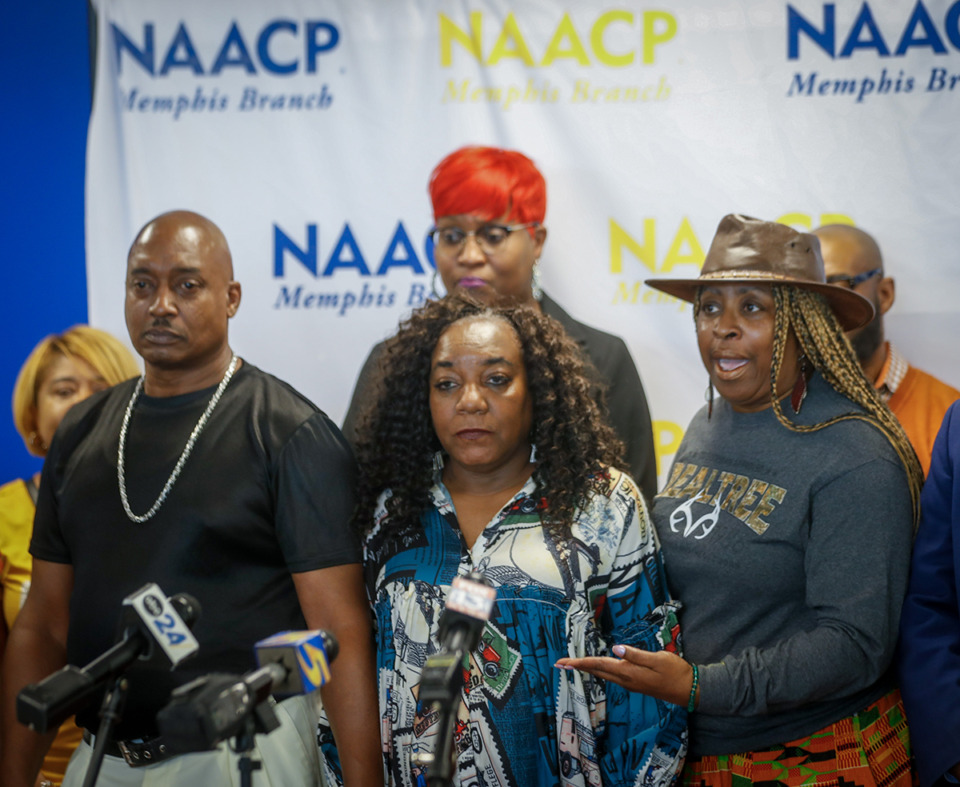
(60, 371)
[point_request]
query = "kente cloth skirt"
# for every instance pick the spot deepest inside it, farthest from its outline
(869, 749)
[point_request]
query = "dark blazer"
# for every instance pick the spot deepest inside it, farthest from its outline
(929, 651)
(626, 401)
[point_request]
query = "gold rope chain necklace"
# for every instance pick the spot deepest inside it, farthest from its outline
(175, 474)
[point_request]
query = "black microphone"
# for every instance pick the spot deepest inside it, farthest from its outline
(467, 611)
(159, 631)
(215, 707)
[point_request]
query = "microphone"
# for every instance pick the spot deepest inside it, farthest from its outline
(215, 707)
(158, 631)
(210, 709)
(467, 610)
(305, 657)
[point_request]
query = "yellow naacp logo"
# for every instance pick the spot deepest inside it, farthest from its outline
(683, 248)
(584, 45)
(667, 436)
(313, 664)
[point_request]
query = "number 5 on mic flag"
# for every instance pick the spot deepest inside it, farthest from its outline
(306, 655)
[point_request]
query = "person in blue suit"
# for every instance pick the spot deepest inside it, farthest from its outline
(929, 657)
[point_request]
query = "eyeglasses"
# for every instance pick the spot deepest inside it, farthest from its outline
(489, 237)
(852, 281)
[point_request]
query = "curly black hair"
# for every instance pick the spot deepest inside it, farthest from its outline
(396, 441)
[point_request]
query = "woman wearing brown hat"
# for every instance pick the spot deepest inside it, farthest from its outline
(786, 527)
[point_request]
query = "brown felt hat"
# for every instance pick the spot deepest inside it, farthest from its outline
(750, 251)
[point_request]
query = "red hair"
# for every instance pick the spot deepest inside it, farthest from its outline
(490, 183)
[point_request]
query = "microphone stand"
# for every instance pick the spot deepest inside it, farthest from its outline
(440, 685)
(260, 719)
(243, 745)
(110, 712)
(440, 773)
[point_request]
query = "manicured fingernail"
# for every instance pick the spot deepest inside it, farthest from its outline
(619, 650)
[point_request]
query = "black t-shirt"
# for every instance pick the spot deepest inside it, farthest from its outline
(267, 490)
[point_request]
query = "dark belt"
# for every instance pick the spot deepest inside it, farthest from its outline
(138, 752)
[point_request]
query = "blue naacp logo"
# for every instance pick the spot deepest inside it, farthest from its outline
(351, 294)
(346, 253)
(250, 53)
(918, 30)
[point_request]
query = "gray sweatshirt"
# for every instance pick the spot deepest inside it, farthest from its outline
(790, 553)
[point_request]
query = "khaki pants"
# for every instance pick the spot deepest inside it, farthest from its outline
(289, 757)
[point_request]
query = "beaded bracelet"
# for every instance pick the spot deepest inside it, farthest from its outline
(692, 704)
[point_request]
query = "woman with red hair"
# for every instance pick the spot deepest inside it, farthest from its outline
(489, 205)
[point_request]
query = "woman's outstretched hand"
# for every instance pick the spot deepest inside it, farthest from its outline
(663, 675)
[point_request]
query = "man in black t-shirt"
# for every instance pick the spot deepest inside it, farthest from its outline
(251, 517)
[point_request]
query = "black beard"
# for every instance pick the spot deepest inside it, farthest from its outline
(866, 342)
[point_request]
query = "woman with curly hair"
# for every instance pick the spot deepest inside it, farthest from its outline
(787, 521)
(487, 452)
(489, 205)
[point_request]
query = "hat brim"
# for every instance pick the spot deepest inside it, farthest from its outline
(851, 309)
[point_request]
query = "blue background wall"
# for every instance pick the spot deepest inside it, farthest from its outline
(44, 55)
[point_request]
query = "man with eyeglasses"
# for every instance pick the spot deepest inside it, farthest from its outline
(852, 259)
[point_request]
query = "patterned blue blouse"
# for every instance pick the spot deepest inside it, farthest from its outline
(523, 722)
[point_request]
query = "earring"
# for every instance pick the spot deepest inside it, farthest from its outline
(535, 285)
(708, 398)
(433, 286)
(37, 442)
(800, 386)
(533, 453)
(438, 461)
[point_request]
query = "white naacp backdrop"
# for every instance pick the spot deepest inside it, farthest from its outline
(307, 131)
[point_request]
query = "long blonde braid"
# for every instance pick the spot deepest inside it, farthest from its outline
(826, 346)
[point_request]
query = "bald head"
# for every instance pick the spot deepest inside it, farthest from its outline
(180, 297)
(847, 250)
(184, 229)
(851, 257)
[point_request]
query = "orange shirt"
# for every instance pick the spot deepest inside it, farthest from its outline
(919, 401)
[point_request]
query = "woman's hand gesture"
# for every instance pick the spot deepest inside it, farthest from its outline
(663, 675)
